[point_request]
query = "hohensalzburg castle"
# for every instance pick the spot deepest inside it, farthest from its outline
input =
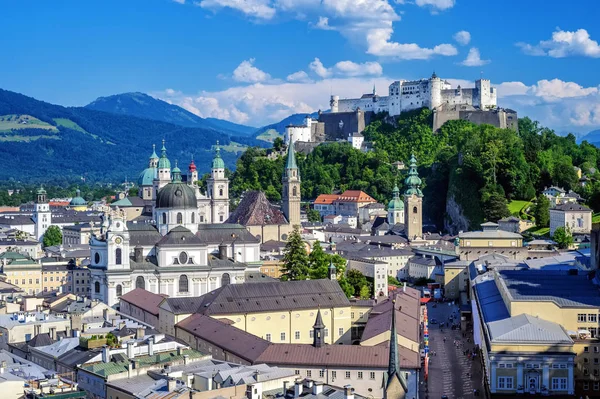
(406, 95)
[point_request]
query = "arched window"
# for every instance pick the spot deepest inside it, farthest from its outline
(119, 290)
(220, 192)
(183, 283)
(415, 209)
(179, 218)
(225, 279)
(183, 258)
(97, 287)
(294, 191)
(193, 217)
(140, 283)
(164, 218)
(97, 258)
(118, 256)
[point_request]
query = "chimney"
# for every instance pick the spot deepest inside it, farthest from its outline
(130, 369)
(130, 347)
(67, 331)
(256, 376)
(317, 388)
(138, 254)
(105, 314)
(309, 384)
(151, 346)
(348, 392)
(105, 354)
(404, 288)
(140, 332)
(297, 388)
(171, 384)
(179, 350)
(52, 332)
(186, 359)
(36, 329)
(222, 251)
(3, 367)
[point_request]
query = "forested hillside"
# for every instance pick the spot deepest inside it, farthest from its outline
(97, 145)
(469, 172)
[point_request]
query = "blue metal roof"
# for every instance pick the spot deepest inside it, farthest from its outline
(490, 301)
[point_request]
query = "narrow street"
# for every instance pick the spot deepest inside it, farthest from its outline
(450, 369)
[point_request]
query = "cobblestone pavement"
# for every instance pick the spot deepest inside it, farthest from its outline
(451, 372)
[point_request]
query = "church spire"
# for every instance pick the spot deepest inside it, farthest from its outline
(176, 173)
(332, 271)
(217, 160)
(413, 181)
(394, 373)
(318, 328)
(291, 158)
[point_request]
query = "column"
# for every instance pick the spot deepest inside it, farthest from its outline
(493, 366)
(546, 376)
(570, 380)
(519, 375)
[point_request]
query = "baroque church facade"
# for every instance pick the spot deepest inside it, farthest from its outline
(186, 250)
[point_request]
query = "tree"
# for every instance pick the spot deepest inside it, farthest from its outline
(541, 211)
(495, 206)
(295, 260)
(357, 280)
(393, 281)
(312, 214)
(278, 144)
(53, 236)
(365, 292)
(563, 237)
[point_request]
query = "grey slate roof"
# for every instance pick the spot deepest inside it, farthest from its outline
(255, 210)
(143, 234)
(527, 328)
(569, 207)
(226, 233)
(264, 297)
(179, 237)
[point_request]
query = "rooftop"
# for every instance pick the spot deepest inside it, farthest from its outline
(326, 199)
(256, 210)
(527, 328)
(570, 207)
(144, 300)
(355, 196)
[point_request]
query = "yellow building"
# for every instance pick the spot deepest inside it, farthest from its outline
(281, 312)
(23, 272)
(56, 278)
(549, 319)
(475, 244)
(456, 278)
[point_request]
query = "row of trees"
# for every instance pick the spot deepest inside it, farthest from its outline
(300, 265)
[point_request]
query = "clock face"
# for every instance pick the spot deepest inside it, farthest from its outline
(118, 240)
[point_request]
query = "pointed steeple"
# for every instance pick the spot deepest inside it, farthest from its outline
(374, 91)
(332, 271)
(318, 328)
(413, 181)
(217, 160)
(393, 363)
(163, 162)
(154, 156)
(291, 158)
(176, 173)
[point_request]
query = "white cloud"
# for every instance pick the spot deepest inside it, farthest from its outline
(323, 23)
(248, 73)
(346, 68)
(317, 67)
(179, 1)
(260, 9)
(463, 37)
(556, 89)
(379, 44)
(474, 59)
(436, 4)
(564, 44)
(299, 76)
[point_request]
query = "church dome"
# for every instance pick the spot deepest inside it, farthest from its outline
(176, 195)
(395, 205)
(147, 177)
(78, 200)
(164, 163)
(217, 162)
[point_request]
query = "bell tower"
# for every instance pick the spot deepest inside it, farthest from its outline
(291, 189)
(413, 203)
(218, 189)
(42, 216)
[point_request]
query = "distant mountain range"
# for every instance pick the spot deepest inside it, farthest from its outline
(592, 137)
(41, 142)
(270, 132)
(147, 107)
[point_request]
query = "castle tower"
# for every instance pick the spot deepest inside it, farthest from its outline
(413, 203)
(435, 91)
(486, 98)
(318, 329)
(291, 189)
(395, 386)
(192, 174)
(164, 170)
(334, 103)
(42, 217)
(395, 208)
(218, 189)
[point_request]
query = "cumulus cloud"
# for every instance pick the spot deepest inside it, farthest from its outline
(463, 37)
(556, 89)
(366, 22)
(474, 59)
(317, 67)
(564, 44)
(248, 73)
(299, 76)
(346, 68)
(179, 1)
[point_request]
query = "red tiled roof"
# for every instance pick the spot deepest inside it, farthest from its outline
(59, 203)
(326, 199)
(355, 196)
(143, 299)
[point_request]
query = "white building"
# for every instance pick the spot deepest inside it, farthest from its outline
(424, 267)
(356, 140)
(406, 95)
(576, 217)
(304, 132)
(375, 269)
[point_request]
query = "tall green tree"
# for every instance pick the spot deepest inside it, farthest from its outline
(563, 237)
(357, 280)
(495, 206)
(295, 260)
(541, 211)
(312, 214)
(52, 236)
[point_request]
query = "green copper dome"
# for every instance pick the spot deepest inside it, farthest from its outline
(396, 204)
(163, 162)
(218, 161)
(78, 200)
(41, 191)
(413, 181)
(147, 177)
(176, 172)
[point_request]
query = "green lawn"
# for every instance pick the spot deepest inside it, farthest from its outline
(539, 231)
(234, 147)
(516, 206)
(15, 122)
(269, 135)
(596, 218)
(69, 124)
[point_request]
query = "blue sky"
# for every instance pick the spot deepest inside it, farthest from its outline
(257, 61)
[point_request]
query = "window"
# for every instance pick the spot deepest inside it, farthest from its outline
(97, 258)
(586, 371)
(283, 336)
(310, 333)
(164, 218)
(220, 192)
(360, 375)
(593, 332)
(586, 349)
(294, 191)
(581, 317)
(201, 218)
(193, 217)
(118, 253)
(586, 386)
(596, 386)
(341, 331)
(297, 335)
(97, 287)
(592, 318)
(140, 283)
(595, 360)
(119, 290)
(220, 218)
(326, 332)
(559, 384)
(183, 283)
(596, 372)
(505, 383)
(372, 375)
(179, 218)
(321, 373)
(51, 279)
(333, 374)
(361, 314)
(347, 374)
(586, 360)
(30, 281)
(268, 337)
(596, 349)
(308, 373)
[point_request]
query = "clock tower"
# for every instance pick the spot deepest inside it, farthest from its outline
(291, 188)
(42, 217)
